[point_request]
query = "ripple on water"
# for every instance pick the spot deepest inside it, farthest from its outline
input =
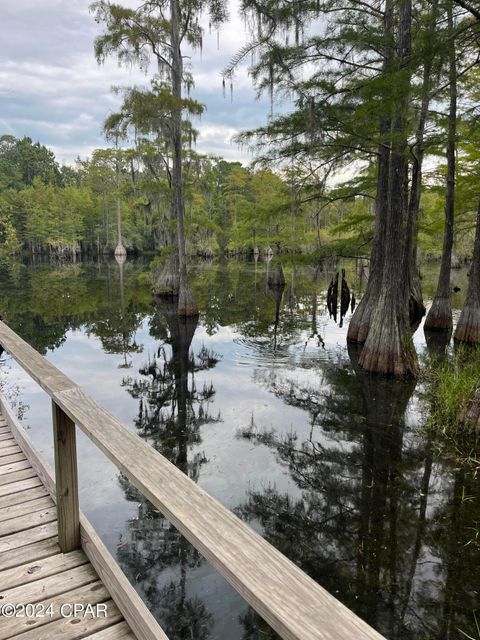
(260, 352)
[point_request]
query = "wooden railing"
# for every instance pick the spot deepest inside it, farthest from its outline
(292, 603)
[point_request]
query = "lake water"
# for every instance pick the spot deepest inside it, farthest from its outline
(261, 403)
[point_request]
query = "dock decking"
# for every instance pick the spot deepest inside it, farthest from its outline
(34, 571)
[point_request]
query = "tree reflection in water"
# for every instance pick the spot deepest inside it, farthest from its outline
(172, 409)
(359, 498)
(367, 519)
(117, 332)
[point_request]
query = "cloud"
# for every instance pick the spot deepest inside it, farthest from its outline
(52, 89)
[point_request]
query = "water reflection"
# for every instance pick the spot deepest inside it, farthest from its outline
(260, 402)
(117, 330)
(276, 284)
(369, 522)
(172, 408)
(342, 528)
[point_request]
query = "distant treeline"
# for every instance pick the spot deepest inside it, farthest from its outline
(63, 211)
(67, 210)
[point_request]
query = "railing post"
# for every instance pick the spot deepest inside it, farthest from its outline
(66, 480)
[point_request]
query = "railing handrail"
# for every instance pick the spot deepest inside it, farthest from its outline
(293, 604)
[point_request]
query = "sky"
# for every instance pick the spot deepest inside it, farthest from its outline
(53, 90)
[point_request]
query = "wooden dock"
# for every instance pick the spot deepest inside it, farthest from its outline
(51, 555)
(52, 594)
(34, 571)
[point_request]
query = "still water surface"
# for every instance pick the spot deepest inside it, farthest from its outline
(261, 404)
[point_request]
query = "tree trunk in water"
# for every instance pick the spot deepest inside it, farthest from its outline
(359, 325)
(119, 249)
(388, 349)
(186, 302)
(277, 289)
(168, 283)
(276, 278)
(106, 223)
(416, 305)
(468, 327)
(439, 317)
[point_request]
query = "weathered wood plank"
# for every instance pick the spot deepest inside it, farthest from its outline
(16, 476)
(49, 587)
(73, 628)
(24, 538)
(22, 497)
(31, 552)
(27, 448)
(291, 602)
(14, 466)
(39, 569)
(120, 631)
(141, 621)
(10, 451)
(25, 508)
(16, 457)
(66, 480)
(5, 436)
(93, 594)
(15, 487)
(27, 521)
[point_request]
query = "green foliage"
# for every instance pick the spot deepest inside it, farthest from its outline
(22, 162)
(9, 243)
(228, 206)
(449, 384)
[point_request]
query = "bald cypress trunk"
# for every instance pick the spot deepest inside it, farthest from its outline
(388, 349)
(359, 325)
(416, 305)
(439, 317)
(360, 321)
(468, 327)
(186, 302)
(168, 283)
